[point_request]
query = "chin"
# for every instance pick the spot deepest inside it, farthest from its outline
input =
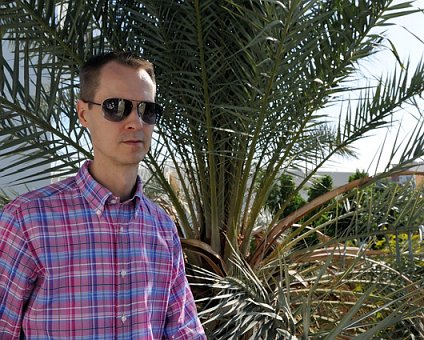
(136, 161)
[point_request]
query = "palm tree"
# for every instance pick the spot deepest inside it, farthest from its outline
(245, 86)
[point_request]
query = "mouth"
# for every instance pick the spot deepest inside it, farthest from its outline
(133, 142)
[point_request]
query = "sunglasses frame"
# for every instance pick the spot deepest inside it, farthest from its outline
(157, 108)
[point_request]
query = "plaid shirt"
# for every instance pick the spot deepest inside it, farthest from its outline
(76, 263)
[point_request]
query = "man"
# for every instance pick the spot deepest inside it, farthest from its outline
(91, 257)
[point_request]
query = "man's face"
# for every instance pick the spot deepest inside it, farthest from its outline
(123, 143)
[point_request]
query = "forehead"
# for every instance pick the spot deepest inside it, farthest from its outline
(118, 70)
(117, 80)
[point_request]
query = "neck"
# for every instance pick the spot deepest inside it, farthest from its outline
(119, 180)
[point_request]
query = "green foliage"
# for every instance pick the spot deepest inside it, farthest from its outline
(284, 193)
(358, 175)
(320, 186)
(245, 86)
(322, 214)
(4, 199)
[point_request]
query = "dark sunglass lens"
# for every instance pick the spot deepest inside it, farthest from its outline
(116, 109)
(147, 112)
(158, 111)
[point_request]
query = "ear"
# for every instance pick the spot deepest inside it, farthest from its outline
(82, 110)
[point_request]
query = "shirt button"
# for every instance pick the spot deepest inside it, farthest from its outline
(98, 212)
(122, 230)
(123, 273)
(123, 318)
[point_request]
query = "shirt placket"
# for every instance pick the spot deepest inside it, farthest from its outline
(120, 221)
(123, 281)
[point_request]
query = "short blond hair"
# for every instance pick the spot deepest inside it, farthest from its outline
(90, 71)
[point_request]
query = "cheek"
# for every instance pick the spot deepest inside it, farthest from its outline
(102, 137)
(148, 132)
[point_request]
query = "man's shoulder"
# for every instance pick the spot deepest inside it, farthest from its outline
(153, 208)
(158, 215)
(50, 192)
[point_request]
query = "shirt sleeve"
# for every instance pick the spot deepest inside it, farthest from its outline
(16, 269)
(182, 320)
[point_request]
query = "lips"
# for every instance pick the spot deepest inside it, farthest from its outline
(133, 141)
(132, 138)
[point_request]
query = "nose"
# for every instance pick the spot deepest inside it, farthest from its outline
(133, 121)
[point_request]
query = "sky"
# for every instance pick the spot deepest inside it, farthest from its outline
(408, 46)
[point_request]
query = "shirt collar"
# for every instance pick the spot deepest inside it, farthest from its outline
(96, 194)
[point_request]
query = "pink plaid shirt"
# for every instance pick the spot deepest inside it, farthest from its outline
(76, 263)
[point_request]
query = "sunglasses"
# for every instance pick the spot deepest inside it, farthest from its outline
(117, 109)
